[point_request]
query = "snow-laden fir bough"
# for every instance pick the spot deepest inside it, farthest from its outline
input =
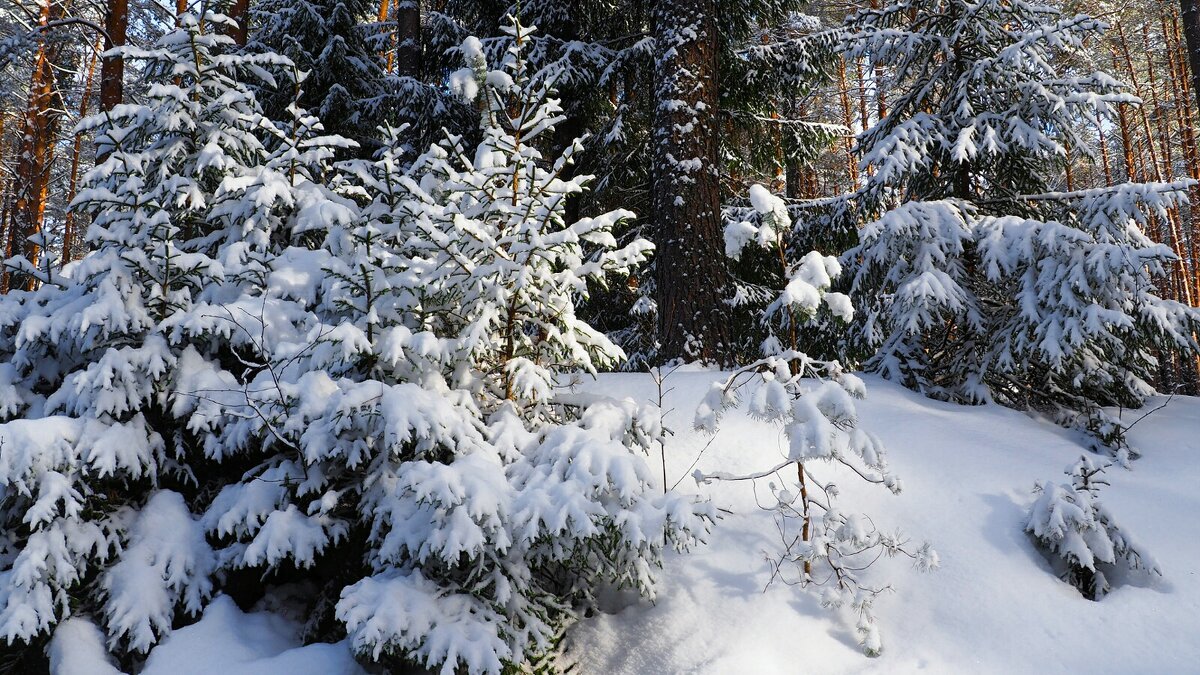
(976, 281)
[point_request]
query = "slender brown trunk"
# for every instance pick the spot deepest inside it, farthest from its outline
(863, 108)
(1144, 116)
(1069, 170)
(1190, 11)
(1126, 136)
(69, 235)
(1183, 113)
(112, 70)
(1108, 177)
(409, 45)
(685, 201)
(863, 113)
(239, 11)
(5, 197)
(1183, 291)
(36, 156)
(847, 121)
(389, 52)
(880, 98)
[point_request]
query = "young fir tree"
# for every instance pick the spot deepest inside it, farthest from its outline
(973, 280)
(1068, 521)
(811, 401)
(418, 446)
(100, 474)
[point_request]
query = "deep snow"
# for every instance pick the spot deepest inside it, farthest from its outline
(993, 607)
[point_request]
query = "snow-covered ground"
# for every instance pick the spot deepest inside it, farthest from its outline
(993, 607)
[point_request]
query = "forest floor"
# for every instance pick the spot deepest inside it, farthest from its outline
(994, 606)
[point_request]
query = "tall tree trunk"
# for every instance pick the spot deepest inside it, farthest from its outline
(389, 52)
(36, 155)
(1190, 10)
(1126, 136)
(69, 234)
(848, 122)
(1184, 112)
(685, 202)
(1108, 176)
(112, 70)
(409, 50)
(239, 11)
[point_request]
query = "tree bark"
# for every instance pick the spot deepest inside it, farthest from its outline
(1190, 11)
(1126, 136)
(112, 70)
(36, 155)
(239, 11)
(69, 225)
(848, 122)
(409, 52)
(690, 272)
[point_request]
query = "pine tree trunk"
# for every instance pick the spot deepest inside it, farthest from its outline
(409, 52)
(239, 11)
(847, 121)
(112, 68)
(389, 52)
(1190, 10)
(5, 196)
(1126, 135)
(1108, 176)
(1184, 111)
(69, 234)
(36, 154)
(685, 202)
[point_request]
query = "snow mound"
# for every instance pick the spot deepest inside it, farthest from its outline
(229, 641)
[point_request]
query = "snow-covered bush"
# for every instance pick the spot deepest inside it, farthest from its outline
(812, 402)
(1068, 522)
(98, 476)
(422, 422)
(360, 381)
(976, 281)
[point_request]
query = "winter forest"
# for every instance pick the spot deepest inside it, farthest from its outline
(599, 336)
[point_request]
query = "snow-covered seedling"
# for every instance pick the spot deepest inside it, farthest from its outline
(812, 403)
(1071, 525)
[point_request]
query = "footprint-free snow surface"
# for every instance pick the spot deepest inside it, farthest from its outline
(994, 606)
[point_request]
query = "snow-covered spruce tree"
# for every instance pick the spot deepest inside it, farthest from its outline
(601, 56)
(974, 281)
(1069, 523)
(812, 403)
(325, 40)
(98, 475)
(417, 450)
